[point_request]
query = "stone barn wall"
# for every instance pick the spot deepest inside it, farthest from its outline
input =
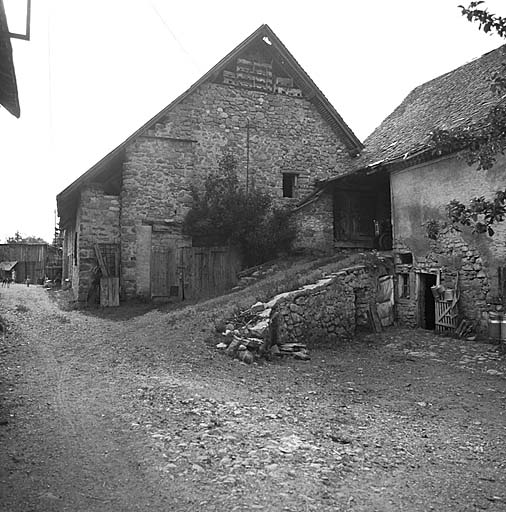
(97, 223)
(269, 134)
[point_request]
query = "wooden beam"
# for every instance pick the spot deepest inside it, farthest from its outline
(101, 262)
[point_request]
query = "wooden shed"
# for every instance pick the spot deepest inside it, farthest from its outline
(30, 260)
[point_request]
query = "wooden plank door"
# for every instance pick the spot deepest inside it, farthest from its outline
(164, 274)
(186, 271)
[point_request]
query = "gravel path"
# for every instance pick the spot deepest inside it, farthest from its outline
(130, 409)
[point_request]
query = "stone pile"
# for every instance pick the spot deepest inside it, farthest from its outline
(248, 336)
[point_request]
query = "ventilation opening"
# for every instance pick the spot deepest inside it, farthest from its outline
(289, 183)
(406, 258)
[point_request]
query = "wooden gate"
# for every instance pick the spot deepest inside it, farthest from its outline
(446, 309)
(208, 271)
(193, 272)
(446, 316)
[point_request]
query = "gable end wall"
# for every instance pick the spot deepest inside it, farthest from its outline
(279, 133)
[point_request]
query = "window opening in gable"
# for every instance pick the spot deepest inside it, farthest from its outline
(406, 258)
(403, 289)
(289, 184)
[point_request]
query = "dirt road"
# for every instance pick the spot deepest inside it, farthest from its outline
(130, 410)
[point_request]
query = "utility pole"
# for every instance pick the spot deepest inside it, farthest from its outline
(247, 155)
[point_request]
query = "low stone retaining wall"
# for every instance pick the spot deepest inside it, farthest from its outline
(328, 310)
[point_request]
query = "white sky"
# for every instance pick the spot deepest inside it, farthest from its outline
(96, 70)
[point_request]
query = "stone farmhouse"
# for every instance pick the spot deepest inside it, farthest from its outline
(259, 104)
(413, 185)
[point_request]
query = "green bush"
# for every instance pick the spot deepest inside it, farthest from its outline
(225, 213)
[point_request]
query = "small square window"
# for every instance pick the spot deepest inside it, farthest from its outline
(289, 184)
(403, 283)
(406, 258)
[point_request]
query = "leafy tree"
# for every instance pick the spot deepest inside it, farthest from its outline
(224, 213)
(18, 239)
(480, 213)
(487, 21)
(481, 142)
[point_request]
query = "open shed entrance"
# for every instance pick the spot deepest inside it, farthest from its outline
(426, 302)
(362, 211)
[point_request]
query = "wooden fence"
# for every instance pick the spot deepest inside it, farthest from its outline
(193, 272)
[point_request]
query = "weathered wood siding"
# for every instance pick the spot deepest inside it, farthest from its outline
(31, 260)
(192, 272)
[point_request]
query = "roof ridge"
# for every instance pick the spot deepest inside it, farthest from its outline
(455, 98)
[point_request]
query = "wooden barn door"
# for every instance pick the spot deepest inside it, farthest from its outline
(164, 274)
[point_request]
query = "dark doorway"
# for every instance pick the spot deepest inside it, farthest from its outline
(427, 305)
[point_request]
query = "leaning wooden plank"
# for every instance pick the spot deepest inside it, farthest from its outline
(109, 291)
(374, 318)
(101, 262)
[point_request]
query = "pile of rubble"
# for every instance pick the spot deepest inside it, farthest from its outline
(249, 335)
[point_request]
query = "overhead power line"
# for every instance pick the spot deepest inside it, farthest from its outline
(173, 35)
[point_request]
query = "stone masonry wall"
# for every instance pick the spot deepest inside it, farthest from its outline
(156, 189)
(331, 309)
(97, 222)
(278, 133)
(284, 134)
(451, 255)
(315, 225)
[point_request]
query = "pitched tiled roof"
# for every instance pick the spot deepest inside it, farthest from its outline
(458, 98)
